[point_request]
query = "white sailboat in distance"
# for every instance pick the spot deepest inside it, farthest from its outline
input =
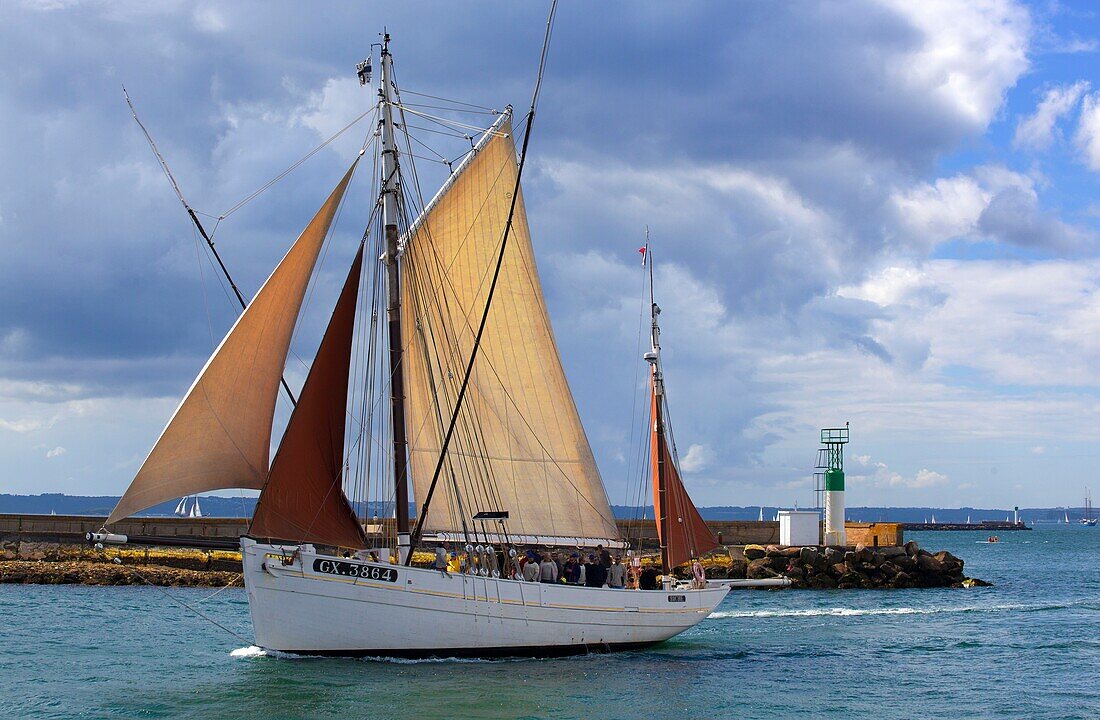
(482, 426)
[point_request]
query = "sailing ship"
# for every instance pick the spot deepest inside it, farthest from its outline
(482, 426)
(1087, 519)
(182, 510)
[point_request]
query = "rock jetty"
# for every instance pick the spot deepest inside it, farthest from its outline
(907, 566)
(86, 572)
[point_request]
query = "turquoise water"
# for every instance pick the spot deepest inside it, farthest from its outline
(1028, 647)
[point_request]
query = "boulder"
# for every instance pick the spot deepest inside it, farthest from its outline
(808, 555)
(911, 548)
(832, 555)
(975, 582)
(737, 569)
(864, 554)
(849, 581)
(901, 580)
(778, 562)
(889, 569)
(891, 552)
(838, 569)
(904, 562)
(754, 552)
(760, 569)
(929, 565)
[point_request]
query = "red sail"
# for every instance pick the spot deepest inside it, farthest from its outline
(303, 499)
(688, 535)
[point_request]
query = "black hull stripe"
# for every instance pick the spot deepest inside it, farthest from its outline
(544, 651)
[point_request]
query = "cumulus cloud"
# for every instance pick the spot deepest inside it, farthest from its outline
(1036, 131)
(1087, 136)
(987, 202)
(56, 452)
(697, 458)
(794, 191)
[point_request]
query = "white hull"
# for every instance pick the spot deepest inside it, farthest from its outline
(304, 602)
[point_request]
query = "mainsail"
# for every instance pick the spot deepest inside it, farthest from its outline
(220, 435)
(519, 447)
(303, 499)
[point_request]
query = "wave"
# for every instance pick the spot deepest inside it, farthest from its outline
(856, 612)
(254, 651)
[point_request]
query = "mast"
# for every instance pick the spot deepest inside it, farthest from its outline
(653, 357)
(390, 189)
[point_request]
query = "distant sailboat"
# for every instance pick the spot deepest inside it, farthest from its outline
(181, 508)
(761, 519)
(1088, 520)
(933, 518)
(196, 511)
(967, 519)
(1066, 514)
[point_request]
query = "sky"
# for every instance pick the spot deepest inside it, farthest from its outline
(874, 211)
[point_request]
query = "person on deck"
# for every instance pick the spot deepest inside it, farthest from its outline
(648, 579)
(596, 573)
(604, 556)
(616, 574)
(531, 570)
(441, 559)
(571, 573)
(548, 570)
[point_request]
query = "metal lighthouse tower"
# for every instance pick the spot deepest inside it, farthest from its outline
(831, 459)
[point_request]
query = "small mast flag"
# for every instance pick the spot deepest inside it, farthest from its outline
(644, 251)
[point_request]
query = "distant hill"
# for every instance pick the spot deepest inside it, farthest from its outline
(217, 506)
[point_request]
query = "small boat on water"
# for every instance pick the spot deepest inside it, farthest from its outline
(482, 428)
(1088, 520)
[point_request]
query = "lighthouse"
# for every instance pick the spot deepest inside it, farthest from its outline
(831, 460)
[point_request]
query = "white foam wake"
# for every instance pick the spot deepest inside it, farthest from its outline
(851, 612)
(254, 651)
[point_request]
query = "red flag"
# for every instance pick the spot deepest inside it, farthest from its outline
(642, 250)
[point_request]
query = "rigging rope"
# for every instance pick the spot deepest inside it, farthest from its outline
(293, 167)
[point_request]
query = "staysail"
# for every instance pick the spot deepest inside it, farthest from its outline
(519, 447)
(303, 499)
(688, 534)
(220, 435)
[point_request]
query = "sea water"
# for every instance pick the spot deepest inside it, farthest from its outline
(1027, 647)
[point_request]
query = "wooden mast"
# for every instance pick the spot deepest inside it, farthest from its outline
(391, 188)
(660, 446)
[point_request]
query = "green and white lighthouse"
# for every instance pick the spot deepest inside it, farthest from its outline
(834, 440)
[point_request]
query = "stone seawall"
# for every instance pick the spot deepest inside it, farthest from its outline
(71, 528)
(825, 568)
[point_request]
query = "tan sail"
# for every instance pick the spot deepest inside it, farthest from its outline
(519, 446)
(303, 499)
(220, 435)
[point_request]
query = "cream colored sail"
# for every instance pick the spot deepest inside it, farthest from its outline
(220, 435)
(519, 446)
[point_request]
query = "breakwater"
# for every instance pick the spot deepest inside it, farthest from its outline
(823, 568)
(642, 533)
(987, 525)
